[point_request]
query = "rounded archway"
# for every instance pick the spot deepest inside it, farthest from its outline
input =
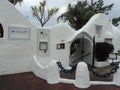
(80, 50)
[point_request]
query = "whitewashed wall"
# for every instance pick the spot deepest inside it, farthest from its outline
(15, 55)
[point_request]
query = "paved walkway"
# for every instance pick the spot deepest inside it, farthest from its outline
(28, 81)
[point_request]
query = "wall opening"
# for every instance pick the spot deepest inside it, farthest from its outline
(76, 52)
(102, 51)
(1, 31)
(80, 50)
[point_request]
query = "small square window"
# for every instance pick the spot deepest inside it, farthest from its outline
(43, 46)
(61, 46)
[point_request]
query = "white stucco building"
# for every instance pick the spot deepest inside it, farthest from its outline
(25, 48)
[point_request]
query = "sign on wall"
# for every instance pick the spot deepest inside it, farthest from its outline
(19, 33)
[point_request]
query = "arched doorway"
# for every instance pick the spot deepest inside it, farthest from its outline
(1, 31)
(80, 50)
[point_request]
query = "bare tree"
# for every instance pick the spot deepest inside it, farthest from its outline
(39, 13)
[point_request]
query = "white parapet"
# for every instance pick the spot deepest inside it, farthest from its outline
(53, 74)
(82, 79)
(101, 83)
(39, 70)
(49, 72)
(102, 63)
(116, 77)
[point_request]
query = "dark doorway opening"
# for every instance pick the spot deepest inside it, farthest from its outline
(1, 31)
(102, 51)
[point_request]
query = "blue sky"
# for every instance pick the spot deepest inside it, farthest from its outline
(25, 8)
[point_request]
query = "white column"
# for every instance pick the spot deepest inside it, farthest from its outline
(53, 74)
(82, 79)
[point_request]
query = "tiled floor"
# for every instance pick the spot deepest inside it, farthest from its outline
(28, 81)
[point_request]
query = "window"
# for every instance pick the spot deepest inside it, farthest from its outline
(61, 46)
(43, 46)
(75, 45)
(1, 31)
